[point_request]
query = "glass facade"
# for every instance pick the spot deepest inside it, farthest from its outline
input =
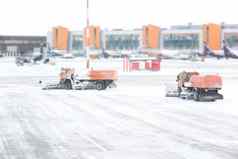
(122, 41)
(77, 42)
(181, 41)
(231, 39)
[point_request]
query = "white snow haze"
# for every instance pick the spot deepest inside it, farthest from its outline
(34, 17)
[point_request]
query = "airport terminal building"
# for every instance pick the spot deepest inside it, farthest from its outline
(111, 41)
(149, 38)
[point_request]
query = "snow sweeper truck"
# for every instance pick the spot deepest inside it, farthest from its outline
(192, 85)
(92, 79)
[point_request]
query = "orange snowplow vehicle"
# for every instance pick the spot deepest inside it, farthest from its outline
(192, 85)
(205, 88)
(93, 79)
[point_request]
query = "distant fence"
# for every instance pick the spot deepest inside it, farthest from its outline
(11, 54)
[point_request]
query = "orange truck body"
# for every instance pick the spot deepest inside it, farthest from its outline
(103, 75)
(206, 82)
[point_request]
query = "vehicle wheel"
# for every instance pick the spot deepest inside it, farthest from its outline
(179, 91)
(112, 85)
(108, 84)
(68, 84)
(100, 86)
(196, 96)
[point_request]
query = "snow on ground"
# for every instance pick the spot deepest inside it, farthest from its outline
(132, 121)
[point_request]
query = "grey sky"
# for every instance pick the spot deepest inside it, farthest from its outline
(36, 17)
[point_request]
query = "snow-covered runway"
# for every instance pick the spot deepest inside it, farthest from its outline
(132, 121)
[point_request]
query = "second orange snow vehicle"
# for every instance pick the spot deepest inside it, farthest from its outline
(192, 85)
(93, 79)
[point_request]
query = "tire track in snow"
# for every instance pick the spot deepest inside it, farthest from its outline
(204, 146)
(191, 117)
(92, 139)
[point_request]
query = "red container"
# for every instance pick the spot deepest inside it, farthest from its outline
(135, 66)
(148, 65)
(155, 66)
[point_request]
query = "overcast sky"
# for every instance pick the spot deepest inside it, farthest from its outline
(36, 17)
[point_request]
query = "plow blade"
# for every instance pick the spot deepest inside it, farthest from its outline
(172, 94)
(52, 86)
(171, 91)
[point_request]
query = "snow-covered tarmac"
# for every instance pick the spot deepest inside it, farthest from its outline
(132, 121)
